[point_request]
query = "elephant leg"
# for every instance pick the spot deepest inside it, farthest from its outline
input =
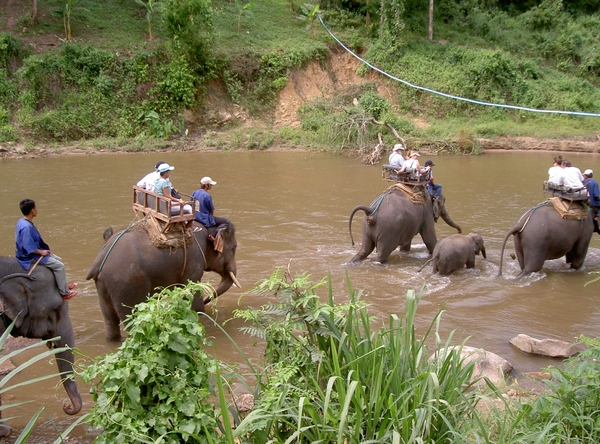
(577, 255)
(471, 261)
(405, 247)
(384, 249)
(366, 248)
(429, 237)
(519, 252)
(112, 323)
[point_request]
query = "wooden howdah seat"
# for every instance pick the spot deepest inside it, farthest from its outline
(160, 207)
(564, 193)
(390, 173)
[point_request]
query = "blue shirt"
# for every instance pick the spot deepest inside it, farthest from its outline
(160, 185)
(594, 192)
(27, 240)
(204, 216)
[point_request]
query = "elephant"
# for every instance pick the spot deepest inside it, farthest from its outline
(542, 233)
(40, 312)
(129, 267)
(455, 251)
(392, 220)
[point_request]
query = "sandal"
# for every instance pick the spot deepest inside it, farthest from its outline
(69, 295)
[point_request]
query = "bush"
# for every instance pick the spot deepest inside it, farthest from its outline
(158, 385)
(329, 378)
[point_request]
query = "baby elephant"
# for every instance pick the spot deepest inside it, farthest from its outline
(455, 251)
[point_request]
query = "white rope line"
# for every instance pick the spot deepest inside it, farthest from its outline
(477, 102)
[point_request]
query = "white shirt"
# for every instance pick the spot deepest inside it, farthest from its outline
(149, 180)
(572, 178)
(555, 174)
(396, 159)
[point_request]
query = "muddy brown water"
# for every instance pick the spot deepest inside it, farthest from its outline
(293, 208)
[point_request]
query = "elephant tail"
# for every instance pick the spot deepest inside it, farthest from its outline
(368, 211)
(512, 231)
(424, 265)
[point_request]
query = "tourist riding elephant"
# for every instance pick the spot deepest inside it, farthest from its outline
(542, 233)
(455, 251)
(129, 267)
(40, 312)
(392, 220)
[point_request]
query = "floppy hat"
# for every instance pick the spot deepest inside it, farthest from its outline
(207, 181)
(588, 172)
(165, 167)
(397, 147)
(415, 154)
(158, 164)
(429, 162)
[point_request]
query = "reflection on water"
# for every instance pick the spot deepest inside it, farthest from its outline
(293, 208)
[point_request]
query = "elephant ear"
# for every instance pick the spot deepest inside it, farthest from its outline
(13, 297)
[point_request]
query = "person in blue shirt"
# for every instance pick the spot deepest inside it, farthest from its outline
(30, 247)
(593, 195)
(205, 208)
(435, 189)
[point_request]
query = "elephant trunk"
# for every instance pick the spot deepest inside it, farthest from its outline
(446, 218)
(483, 252)
(64, 361)
(228, 278)
(364, 208)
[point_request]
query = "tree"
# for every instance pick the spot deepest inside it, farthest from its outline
(151, 6)
(430, 30)
(34, 13)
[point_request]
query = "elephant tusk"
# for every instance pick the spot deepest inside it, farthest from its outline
(235, 281)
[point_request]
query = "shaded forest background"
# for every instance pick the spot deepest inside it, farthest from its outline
(142, 73)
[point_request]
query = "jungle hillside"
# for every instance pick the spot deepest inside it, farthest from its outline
(141, 75)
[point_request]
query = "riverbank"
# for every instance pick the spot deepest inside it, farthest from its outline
(13, 150)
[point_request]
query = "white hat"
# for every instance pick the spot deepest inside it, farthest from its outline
(165, 167)
(397, 147)
(207, 181)
(588, 172)
(415, 154)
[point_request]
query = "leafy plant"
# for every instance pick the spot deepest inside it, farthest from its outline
(158, 386)
(5, 382)
(330, 378)
(310, 13)
(244, 10)
(152, 7)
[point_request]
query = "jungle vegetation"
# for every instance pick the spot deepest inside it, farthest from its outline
(330, 372)
(126, 72)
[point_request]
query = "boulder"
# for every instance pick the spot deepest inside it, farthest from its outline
(487, 364)
(552, 348)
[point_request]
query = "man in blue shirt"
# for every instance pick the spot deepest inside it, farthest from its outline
(435, 189)
(593, 195)
(204, 211)
(30, 247)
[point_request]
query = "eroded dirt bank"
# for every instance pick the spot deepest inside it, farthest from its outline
(313, 81)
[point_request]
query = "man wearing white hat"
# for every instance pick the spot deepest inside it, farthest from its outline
(593, 195)
(204, 212)
(413, 163)
(397, 157)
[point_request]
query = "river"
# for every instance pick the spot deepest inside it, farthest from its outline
(292, 208)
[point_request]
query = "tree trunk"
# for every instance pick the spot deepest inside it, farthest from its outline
(430, 30)
(34, 13)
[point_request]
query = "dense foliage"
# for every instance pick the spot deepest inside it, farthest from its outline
(328, 377)
(160, 382)
(109, 82)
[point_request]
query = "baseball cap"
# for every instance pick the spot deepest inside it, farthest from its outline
(207, 181)
(165, 167)
(588, 172)
(429, 163)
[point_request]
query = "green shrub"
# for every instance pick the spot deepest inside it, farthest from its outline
(159, 384)
(373, 104)
(330, 378)
(177, 89)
